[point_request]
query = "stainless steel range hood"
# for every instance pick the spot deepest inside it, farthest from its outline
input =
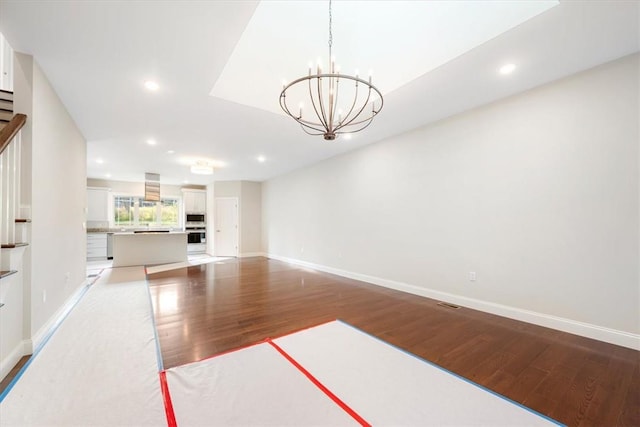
(152, 187)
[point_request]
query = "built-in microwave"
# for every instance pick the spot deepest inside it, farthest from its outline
(195, 218)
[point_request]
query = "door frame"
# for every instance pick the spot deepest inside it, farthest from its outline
(215, 225)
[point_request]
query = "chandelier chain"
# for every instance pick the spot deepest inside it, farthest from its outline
(330, 31)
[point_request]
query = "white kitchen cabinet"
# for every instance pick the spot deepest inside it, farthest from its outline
(96, 245)
(195, 201)
(98, 204)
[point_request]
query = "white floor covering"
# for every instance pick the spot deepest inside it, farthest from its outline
(255, 386)
(99, 368)
(389, 387)
(189, 263)
(380, 383)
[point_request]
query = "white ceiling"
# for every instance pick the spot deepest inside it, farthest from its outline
(97, 54)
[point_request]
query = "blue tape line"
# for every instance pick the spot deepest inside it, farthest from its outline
(155, 330)
(44, 341)
(456, 375)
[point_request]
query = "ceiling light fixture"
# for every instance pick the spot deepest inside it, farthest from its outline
(262, 159)
(151, 141)
(507, 69)
(202, 168)
(327, 118)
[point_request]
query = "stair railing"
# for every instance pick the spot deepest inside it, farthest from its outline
(10, 153)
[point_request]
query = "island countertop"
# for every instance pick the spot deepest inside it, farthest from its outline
(147, 232)
(148, 248)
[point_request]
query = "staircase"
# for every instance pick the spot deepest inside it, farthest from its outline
(13, 231)
(6, 107)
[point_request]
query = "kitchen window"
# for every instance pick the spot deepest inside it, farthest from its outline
(136, 212)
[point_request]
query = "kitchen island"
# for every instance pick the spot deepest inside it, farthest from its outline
(149, 248)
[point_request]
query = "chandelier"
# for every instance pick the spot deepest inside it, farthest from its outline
(322, 90)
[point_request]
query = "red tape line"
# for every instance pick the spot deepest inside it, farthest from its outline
(168, 406)
(321, 386)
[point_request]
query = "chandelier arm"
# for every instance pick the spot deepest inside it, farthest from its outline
(368, 122)
(374, 112)
(285, 108)
(313, 102)
(355, 99)
(304, 128)
(323, 119)
(330, 103)
(311, 125)
(368, 118)
(335, 98)
(304, 123)
(361, 109)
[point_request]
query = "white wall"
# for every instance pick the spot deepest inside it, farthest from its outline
(537, 194)
(58, 195)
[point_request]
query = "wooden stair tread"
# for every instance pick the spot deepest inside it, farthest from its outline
(6, 273)
(13, 245)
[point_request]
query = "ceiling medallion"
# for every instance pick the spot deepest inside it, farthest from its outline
(327, 118)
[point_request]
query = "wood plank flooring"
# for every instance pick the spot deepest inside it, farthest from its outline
(204, 310)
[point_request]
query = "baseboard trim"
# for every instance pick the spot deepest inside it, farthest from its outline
(251, 254)
(600, 333)
(54, 321)
(7, 364)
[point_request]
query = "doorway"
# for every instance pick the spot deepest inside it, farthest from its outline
(226, 226)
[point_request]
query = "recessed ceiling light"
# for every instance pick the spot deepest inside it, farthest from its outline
(151, 141)
(107, 175)
(507, 69)
(99, 161)
(347, 136)
(151, 85)
(262, 159)
(170, 151)
(186, 181)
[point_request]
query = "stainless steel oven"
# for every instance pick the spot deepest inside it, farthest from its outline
(196, 235)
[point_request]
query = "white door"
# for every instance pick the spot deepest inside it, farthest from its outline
(226, 230)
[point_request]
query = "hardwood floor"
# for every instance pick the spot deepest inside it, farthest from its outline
(204, 310)
(13, 373)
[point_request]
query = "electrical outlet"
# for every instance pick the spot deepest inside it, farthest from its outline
(44, 295)
(472, 276)
(67, 276)
(302, 250)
